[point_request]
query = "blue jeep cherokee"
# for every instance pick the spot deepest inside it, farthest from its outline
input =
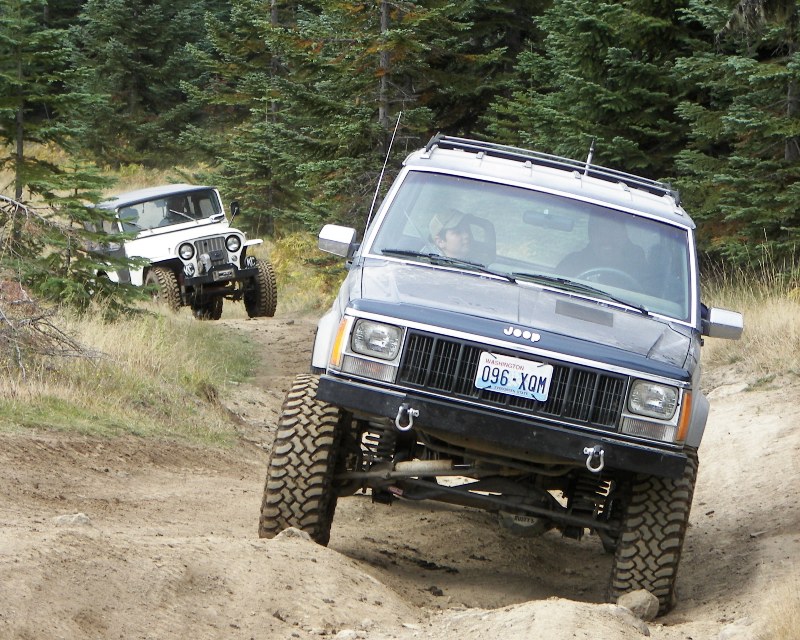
(520, 333)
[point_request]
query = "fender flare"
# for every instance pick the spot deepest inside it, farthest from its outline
(327, 327)
(697, 423)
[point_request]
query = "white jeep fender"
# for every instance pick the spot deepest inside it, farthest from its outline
(137, 277)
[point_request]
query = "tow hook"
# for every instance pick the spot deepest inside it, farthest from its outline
(405, 417)
(593, 454)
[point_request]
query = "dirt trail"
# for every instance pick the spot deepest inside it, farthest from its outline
(129, 538)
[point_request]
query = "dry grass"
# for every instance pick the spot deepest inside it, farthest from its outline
(155, 375)
(770, 344)
(782, 615)
(127, 177)
(308, 279)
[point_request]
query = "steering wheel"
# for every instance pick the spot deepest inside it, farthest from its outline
(610, 275)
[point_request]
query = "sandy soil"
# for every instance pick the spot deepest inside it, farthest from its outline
(130, 538)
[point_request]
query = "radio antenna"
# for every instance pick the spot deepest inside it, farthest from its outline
(589, 158)
(383, 169)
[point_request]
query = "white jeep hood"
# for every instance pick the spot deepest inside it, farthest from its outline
(162, 243)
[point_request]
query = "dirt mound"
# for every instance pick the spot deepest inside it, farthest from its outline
(144, 539)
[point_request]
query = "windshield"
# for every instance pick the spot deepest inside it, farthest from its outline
(538, 237)
(173, 209)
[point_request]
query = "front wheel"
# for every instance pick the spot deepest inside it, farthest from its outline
(262, 298)
(299, 490)
(166, 290)
(649, 546)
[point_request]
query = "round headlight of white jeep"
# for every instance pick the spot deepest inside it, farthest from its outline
(376, 339)
(186, 251)
(233, 243)
(653, 399)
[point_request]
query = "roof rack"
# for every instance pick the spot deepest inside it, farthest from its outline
(552, 161)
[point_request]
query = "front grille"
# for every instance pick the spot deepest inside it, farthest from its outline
(214, 247)
(577, 394)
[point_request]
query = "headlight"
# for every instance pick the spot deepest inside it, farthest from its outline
(653, 399)
(186, 251)
(233, 243)
(376, 339)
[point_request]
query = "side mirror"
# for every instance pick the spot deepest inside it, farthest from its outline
(234, 209)
(340, 241)
(721, 323)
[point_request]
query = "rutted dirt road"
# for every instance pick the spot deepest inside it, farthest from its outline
(130, 538)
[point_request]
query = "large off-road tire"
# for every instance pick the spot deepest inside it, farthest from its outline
(167, 291)
(299, 490)
(208, 309)
(650, 542)
(260, 301)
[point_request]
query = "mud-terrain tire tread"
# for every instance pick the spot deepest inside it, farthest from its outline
(650, 542)
(299, 490)
(263, 300)
(168, 291)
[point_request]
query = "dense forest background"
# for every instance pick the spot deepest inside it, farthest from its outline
(290, 106)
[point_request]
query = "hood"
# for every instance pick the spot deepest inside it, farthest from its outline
(162, 243)
(526, 306)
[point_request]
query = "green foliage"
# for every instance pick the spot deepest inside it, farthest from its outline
(324, 84)
(292, 105)
(131, 57)
(603, 72)
(740, 168)
(53, 253)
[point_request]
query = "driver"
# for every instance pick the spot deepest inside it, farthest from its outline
(176, 210)
(608, 249)
(451, 234)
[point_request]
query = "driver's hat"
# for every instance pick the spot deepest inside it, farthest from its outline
(448, 219)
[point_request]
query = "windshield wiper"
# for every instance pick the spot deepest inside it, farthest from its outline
(181, 213)
(438, 258)
(572, 285)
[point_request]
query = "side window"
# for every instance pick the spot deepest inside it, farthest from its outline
(205, 208)
(110, 226)
(129, 217)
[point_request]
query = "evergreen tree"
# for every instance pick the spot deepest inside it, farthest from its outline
(476, 66)
(324, 83)
(45, 244)
(740, 172)
(138, 54)
(604, 71)
(30, 59)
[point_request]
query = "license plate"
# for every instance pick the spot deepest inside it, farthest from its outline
(224, 274)
(514, 376)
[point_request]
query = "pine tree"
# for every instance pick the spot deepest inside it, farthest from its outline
(44, 243)
(325, 82)
(741, 169)
(604, 72)
(138, 53)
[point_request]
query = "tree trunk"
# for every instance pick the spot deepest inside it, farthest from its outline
(383, 90)
(791, 149)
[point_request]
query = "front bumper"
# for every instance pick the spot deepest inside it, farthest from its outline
(511, 435)
(220, 274)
